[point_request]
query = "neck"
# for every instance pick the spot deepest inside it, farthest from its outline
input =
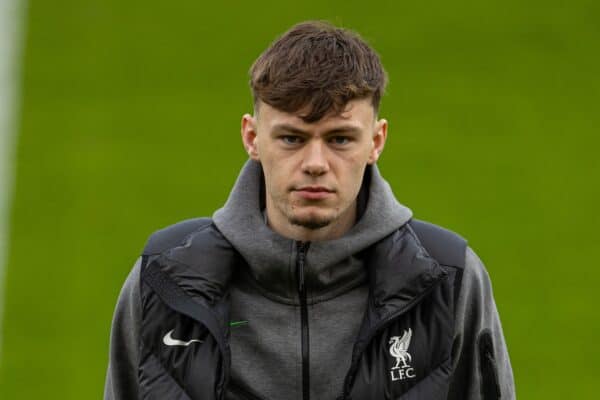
(336, 229)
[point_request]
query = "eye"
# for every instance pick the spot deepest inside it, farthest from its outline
(291, 139)
(340, 140)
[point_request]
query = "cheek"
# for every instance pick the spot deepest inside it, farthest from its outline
(351, 176)
(276, 181)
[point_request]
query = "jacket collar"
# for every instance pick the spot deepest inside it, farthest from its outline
(399, 270)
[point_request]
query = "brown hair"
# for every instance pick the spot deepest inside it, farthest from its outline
(318, 66)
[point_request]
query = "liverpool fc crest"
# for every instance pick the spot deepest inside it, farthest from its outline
(399, 350)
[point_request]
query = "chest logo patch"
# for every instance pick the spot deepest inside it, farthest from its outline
(170, 341)
(399, 350)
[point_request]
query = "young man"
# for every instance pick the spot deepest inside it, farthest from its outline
(313, 281)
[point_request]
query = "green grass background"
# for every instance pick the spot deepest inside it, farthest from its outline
(130, 121)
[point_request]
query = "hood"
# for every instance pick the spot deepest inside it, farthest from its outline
(332, 266)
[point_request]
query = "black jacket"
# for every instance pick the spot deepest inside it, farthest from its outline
(403, 350)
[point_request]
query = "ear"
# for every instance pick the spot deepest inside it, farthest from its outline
(249, 135)
(379, 137)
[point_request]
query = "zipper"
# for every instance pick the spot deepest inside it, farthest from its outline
(300, 262)
(379, 327)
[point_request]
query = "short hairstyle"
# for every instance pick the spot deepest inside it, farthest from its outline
(317, 66)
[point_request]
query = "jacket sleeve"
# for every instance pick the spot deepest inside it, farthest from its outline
(121, 376)
(482, 369)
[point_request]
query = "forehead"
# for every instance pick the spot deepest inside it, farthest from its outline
(358, 113)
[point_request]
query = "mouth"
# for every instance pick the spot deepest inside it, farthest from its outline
(313, 192)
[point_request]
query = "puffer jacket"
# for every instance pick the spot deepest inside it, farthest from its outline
(403, 350)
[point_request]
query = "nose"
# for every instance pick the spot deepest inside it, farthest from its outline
(315, 161)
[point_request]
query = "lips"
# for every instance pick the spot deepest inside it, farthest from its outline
(314, 192)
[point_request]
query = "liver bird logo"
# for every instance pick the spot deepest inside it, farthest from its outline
(399, 349)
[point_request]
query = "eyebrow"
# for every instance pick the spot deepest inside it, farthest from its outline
(293, 129)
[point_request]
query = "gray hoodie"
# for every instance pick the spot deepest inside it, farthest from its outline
(265, 338)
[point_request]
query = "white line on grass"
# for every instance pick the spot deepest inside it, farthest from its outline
(11, 24)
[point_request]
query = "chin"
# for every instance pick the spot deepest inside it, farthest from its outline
(311, 220)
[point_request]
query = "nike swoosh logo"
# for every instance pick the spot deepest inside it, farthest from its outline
(169, 341)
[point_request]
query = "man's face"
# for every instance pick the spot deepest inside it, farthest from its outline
(313, 171)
